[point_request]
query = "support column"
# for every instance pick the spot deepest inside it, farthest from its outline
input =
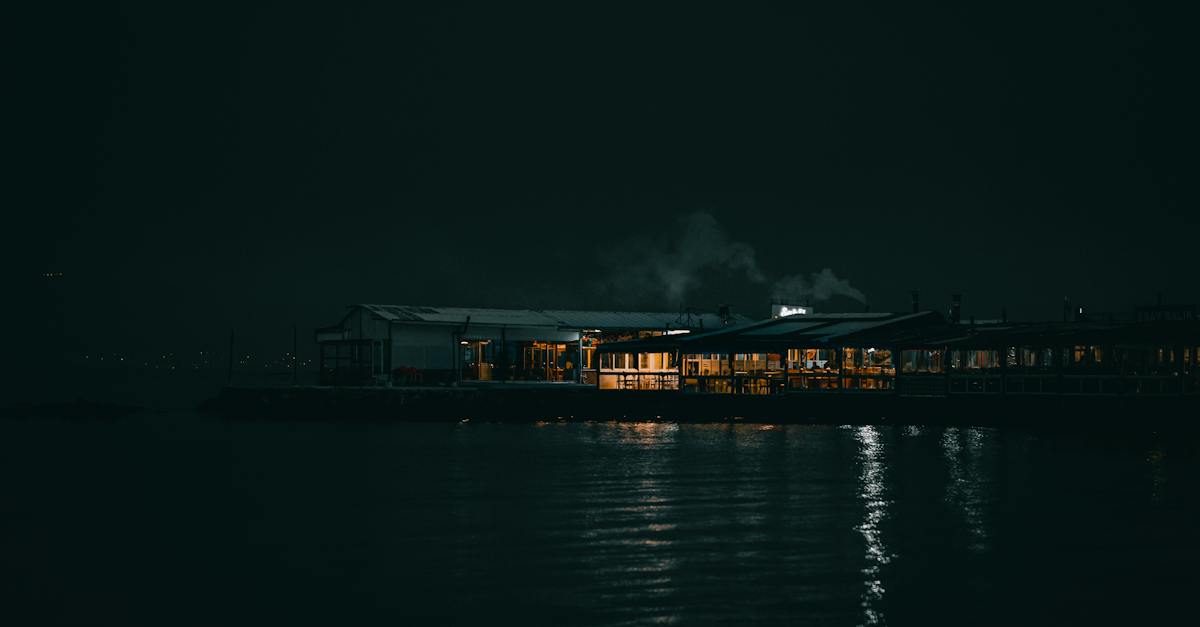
(840, 353)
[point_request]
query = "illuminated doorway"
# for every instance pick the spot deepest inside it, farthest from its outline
(548, 361)
(478, 359)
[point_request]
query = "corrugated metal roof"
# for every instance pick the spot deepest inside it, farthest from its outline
(923, 329)
(807, 326)
(556, 318)
(799, 330)
(849, 327)
(841, 329)
(458, 315)
(612, 320)
(790, 326)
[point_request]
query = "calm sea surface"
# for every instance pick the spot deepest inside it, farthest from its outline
(180, 518)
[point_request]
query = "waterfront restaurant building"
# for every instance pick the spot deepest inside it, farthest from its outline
(914, 354)
(405, 344)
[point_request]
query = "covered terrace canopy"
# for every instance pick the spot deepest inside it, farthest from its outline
(1051, 334)
(823, 330)
(917, 330)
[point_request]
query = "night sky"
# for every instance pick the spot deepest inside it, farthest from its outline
(192, 169)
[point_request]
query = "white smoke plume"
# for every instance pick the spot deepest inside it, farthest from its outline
(704, 246)
(817, 286)
(667, 271)
(670, 270)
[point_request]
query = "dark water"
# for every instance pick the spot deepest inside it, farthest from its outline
(167, 519)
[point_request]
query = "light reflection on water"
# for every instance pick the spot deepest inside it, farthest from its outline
(875, 508)
(591, 523)
(966, 487)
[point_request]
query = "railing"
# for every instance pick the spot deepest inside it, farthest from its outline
(973, 383)
(819, 382)
(868, 383)
(1035, 384)
(814, 382)
(1032, 384)
(743, 384)
(1092, 385)
(921, 385)
(759, 384)
(707, 385)
(639, 381)
(1150, 385)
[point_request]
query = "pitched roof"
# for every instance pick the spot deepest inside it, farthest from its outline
(917, 330)
(812, 329)
(552, 318)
